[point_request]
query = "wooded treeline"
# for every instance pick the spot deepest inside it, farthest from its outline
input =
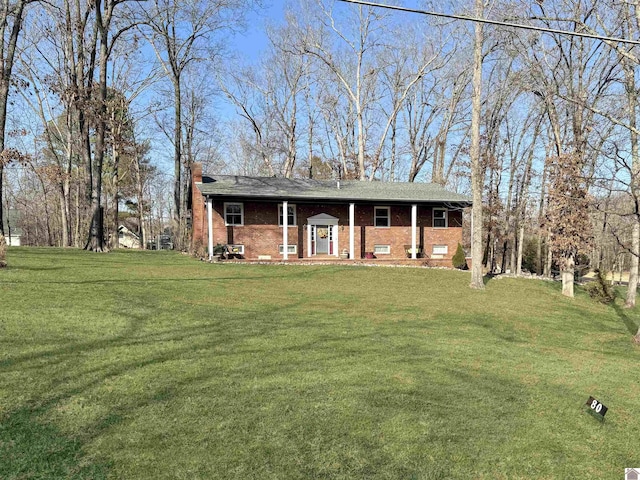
(110, 97)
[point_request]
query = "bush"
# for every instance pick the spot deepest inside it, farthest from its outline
(219, 249)
(459, 260)
(530, 255)
(600, 290)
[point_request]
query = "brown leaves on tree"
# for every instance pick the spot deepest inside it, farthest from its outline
(567, 219)
(10, 155)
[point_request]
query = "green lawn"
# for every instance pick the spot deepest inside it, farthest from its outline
(151, 365)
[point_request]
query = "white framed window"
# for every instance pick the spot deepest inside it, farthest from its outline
(291, 217)
(236, 249)
(382, 217)
(290, 249)
(382, 249)
(233, 214)
(440, 219)
(440, 250)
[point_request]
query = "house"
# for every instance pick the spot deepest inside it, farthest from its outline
(12, 230)
(127, 238)
(324, 219)
(631, 474)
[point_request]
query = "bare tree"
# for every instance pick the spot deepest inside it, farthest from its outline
(182, 33)
(11, 18)
(351, 63)
(250, 99)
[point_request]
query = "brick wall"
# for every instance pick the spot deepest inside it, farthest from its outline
(261, 234)
(198, 215)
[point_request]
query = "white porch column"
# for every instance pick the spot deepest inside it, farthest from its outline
(210, 225)
(335, 241)
(352, 221)
(414, 227)
(309, 252)
(285, 230)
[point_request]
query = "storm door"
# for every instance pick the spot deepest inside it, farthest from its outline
(322, 239)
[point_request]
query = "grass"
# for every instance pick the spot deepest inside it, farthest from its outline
(151, 365)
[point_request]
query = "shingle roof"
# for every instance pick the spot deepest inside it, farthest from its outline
(327, 190)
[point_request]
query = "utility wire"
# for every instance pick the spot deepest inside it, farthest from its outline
(493, 22)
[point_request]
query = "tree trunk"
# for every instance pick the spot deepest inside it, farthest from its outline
(360, 123)
(503, 267)
(568, 264)
(476, 168)
(549, 263)
(633, 271)
(140, 199)
(64, 219)
(632, 103)
(541, 270)
(3, 251)
(76, 240)
(520, 247)
(1, 194)
(177, 159)
(115, 236)
(3, 261)
(96, 235)
(392, 166)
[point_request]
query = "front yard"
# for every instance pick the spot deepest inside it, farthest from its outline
(151, 365)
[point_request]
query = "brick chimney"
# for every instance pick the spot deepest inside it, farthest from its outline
(198, 217)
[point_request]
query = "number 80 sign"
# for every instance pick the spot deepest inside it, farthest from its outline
(597, 406)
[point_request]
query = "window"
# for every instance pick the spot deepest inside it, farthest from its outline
(382, 216)
(440, 249)
(236, 249)
(439, 218)
(382, 249)
(233, 214)
(291, 215)
(290, 249)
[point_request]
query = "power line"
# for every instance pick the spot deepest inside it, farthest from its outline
(493, 22)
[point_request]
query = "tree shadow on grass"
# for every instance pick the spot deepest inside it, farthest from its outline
(32, 449)
(628, 322)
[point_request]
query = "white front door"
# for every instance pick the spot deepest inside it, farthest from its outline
(322, 235)
(322, 239)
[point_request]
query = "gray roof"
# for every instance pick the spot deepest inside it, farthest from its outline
(276, 188)
(11, 220)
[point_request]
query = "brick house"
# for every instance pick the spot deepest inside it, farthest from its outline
(352, 219)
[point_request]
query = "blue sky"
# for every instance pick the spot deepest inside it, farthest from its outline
(252, 42)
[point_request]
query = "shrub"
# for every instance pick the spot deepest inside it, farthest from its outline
(600, 290)
(459, 261)
(530, 255)
(219, 249)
